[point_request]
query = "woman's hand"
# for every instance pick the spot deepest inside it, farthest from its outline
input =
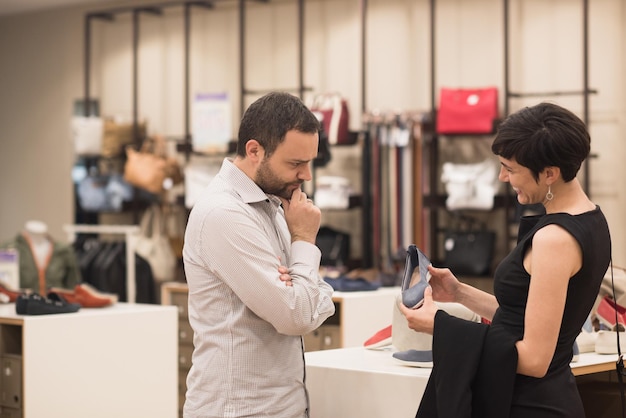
(421, 319)
(445, 286)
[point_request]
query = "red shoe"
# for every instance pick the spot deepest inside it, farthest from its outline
(86, 296)
(608, 311)
(381, 339)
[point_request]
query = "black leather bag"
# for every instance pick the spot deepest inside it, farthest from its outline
(334, 245)
(469, 250)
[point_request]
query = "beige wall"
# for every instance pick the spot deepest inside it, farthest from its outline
(41, 73)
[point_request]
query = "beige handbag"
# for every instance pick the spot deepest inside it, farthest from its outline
(154, 245)
(150, 169)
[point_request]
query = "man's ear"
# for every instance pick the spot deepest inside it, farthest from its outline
(254, 150)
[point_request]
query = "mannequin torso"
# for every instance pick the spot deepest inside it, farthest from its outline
(36, 233)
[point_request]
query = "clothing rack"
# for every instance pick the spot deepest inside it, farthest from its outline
(131, 234)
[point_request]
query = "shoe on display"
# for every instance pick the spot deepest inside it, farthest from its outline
(415, 358)
(379, 340)
(607, 312)
(84, 295)
(35, 304)
(586, 341)
(606, 342)
(415, 279)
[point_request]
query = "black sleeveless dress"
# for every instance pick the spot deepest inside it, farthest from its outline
(556, 394)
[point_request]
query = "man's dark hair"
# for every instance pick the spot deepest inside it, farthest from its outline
(544, 135)
(269, 118)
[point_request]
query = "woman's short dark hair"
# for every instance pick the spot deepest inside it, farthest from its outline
(542, 136)
(269, 118)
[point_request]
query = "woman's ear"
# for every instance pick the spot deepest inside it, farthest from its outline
(552, 174)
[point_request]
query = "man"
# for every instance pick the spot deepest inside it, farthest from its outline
(252, 226)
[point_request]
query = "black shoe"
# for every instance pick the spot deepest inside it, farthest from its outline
(35, 304)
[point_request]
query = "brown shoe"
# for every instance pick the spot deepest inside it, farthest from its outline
(86, 296)
(87, 292)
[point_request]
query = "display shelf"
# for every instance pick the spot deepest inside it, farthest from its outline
(118, 361)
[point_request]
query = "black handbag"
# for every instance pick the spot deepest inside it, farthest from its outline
(469, 249)
(334, 245)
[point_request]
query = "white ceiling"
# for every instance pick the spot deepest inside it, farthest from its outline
(8, 7)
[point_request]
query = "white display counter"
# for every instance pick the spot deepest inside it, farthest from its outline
(362, 314)
(360, 383)
(119, 361)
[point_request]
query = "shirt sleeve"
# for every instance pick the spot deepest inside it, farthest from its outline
(243, 254)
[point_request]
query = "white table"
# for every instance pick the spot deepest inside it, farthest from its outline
(119, 361)
(360, 383)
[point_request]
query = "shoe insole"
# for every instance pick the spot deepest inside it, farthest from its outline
(416, 277)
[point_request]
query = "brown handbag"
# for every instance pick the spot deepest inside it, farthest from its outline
(117, 136)
(149, 168)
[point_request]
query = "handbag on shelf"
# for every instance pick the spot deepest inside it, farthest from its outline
(469, 248)
(334, 245)
(470, 186)
(335, 117)
(154, 245)
(467, 111)
(150, 169)
(118, 135)
(87, 132)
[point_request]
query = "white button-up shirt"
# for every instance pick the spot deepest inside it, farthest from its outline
(248, 358)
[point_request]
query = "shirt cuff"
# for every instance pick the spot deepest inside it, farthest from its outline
(303, 252)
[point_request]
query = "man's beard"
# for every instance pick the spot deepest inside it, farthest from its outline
(271, 184)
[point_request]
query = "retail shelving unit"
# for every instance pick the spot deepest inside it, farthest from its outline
(155, 10)
(246, 91)
(584, 93)
(434, 202)
(363, 201)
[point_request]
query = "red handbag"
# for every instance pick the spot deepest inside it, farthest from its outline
(335, 117)
(467, 111)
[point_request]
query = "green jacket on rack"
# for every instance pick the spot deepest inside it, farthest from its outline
(61, 269)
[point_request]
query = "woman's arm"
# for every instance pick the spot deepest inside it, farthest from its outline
(553, 259)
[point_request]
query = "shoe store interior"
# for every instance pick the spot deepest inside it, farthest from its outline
(117, 115)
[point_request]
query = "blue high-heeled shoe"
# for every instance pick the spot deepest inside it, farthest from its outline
(416, 277)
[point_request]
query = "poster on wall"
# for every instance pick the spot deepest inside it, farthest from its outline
(211, 123)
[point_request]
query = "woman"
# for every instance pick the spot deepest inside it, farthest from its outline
(544, 289)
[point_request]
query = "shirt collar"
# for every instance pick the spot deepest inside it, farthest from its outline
(244, 186)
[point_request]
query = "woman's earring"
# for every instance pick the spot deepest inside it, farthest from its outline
(549, 195)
